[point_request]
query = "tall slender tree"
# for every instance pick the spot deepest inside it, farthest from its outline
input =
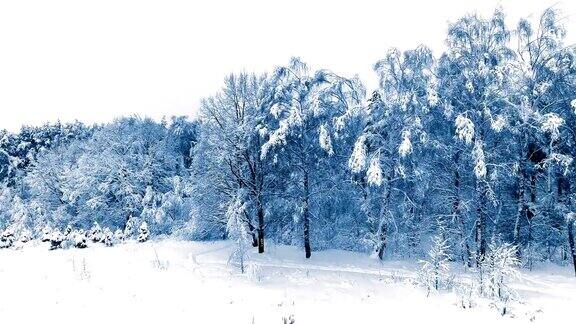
(473, 79)
(309, 112)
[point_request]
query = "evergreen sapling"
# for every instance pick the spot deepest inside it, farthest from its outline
(435, 271)
(143, 232)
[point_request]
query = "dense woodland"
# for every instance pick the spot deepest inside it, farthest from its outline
(475, 144)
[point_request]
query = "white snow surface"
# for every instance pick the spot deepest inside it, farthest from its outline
(192, 282)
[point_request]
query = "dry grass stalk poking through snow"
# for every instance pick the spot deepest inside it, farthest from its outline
(81, 270)
(159, 264)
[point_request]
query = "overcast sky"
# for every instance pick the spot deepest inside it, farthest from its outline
(96, 60)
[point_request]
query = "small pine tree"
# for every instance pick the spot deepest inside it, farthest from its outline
(496, 271)
(95, 234)
(108, 237)
(143, 232)
(80, 239)
(56, 240)
(435, 271)
(237, 231)
(25, 235)
(129, 228)
(46, 234)
(68, 231)
(119, 235)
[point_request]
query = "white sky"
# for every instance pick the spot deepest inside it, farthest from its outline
(96, 60)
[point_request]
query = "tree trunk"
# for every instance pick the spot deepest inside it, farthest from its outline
(571, 242)
(481, 243)
(460, 219)
(522, 204)
(382, 246)
(260, 228)
(381, 235)
(306, 218)
(530, 211)
(252, 230)
(523, 211)
(457, 212)
(382, 231)
(563, 188)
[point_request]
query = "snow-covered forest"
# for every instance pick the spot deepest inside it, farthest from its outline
(464, 157)
(475, 145)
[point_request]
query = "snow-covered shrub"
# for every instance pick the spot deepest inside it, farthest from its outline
(56, 240)
(25, 235)
(80, 239)
(143, 232)
(68, 231)
(496, 270)
(68, 235)
(95, 234)
(46, 234)
(238, 232)
(434, 274)
(119, 235)
(171, 212)
(466, 295)
(7, 238)
(129, 228)
(108, 237)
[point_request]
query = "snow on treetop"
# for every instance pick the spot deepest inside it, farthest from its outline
(464, 129)
(551, 124)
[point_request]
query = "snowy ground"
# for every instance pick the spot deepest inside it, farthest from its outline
(187, 282)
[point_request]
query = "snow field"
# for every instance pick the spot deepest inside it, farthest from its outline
(190, 282)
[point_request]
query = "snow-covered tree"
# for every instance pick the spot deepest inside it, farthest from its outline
(434, 273)
(119, 235)
(391, 148)
(107, 237)
(68, 231)
(25, 235)
(497, 270)
(232, 133)
(46, 233)
(128, 228)
(56, 239)
(307, 114)
(143, 232)
(474, 86)
(80, 240)
(543, 96)
(570, 221)
(238, 231)
(5, 166)
(95, 234)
